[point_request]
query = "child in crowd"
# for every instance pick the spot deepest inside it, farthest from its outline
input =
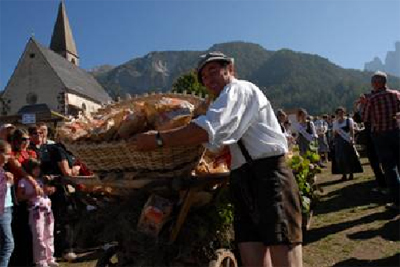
(6, 204)
(41, 217)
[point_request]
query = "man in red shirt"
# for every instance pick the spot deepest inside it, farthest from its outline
(380, 110)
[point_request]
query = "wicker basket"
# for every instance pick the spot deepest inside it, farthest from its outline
(122, 156)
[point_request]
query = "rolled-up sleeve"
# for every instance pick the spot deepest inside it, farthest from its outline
(229, 116)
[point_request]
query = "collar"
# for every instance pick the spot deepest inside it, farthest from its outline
(381, 89)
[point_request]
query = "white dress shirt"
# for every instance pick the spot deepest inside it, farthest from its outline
(243, 112)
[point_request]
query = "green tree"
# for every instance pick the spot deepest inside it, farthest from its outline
(188, 82)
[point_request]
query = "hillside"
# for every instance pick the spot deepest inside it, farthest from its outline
(289, 79)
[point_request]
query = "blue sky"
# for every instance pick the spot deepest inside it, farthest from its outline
(347, 32)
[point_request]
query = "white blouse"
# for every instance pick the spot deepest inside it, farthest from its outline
(243, 112)
(337, 127)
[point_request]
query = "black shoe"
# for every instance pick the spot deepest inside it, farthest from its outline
(351, 177)
(344, 178)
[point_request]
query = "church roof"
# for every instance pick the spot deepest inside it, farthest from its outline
(62, 39)
(74, 78)
(37, 108)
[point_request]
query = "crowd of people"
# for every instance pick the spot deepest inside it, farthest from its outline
(373, 125)
(331, 136)
(265, 195)
(32, 206)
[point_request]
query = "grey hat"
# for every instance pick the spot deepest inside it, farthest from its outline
(209, 57)
(380, 74)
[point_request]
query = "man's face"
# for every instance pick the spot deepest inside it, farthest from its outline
(376, 83)
(43, 130)
(215, 77)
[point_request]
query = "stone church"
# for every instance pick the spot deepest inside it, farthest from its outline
(51, 77)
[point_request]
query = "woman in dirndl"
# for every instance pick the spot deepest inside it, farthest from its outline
(346, 160)
(306, 132)
(322, 129)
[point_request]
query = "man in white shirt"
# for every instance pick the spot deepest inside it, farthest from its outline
(43, 132)
(265, 193)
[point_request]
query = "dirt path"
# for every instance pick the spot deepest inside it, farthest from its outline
(350, 227)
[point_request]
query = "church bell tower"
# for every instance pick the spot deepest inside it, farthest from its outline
(62, 41)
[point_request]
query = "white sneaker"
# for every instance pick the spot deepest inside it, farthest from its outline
(70, 256)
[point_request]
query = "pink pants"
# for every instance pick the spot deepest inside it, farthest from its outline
(42, 227)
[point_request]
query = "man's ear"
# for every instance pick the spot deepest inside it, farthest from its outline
(231, 68)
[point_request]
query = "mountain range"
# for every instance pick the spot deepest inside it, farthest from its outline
(289, 79)
(390, 65)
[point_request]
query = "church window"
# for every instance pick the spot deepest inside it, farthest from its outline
(32, 55)
(83, 106)
(31, 98)
(73, 61)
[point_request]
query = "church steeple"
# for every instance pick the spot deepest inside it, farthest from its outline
(62, 41)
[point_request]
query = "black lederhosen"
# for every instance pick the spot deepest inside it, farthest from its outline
(267, 206)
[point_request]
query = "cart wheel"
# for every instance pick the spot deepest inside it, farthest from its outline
(223, 258)
(109, 258)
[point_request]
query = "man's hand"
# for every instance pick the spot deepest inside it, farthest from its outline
(363, 99)
(144, 141)
(75, 170)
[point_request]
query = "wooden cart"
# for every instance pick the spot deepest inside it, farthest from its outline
(187, 187)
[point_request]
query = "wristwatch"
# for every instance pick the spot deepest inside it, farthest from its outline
(159, 141)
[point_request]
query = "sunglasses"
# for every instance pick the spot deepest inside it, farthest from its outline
(25, 139)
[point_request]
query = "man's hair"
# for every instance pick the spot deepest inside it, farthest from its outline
(215, 56)
(40, 124)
